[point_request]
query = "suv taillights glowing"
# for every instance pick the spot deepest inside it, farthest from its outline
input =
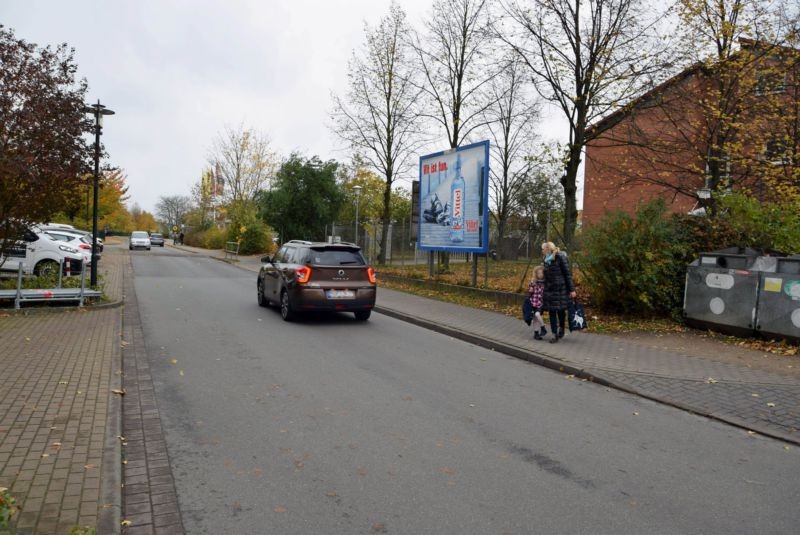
(373, 279)
(302, 274)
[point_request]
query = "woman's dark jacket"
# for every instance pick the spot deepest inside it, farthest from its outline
(557, 283)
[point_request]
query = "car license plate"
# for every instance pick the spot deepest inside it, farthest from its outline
(340, 294)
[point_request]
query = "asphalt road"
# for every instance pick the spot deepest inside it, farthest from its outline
(333, 426)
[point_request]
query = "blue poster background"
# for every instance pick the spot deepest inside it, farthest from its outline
(437, 172)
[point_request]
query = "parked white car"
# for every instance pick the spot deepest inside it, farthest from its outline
(63, 227)
(76, 241)
(40, 254)
(139, 239)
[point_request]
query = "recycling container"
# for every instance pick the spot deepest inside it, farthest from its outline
(722, 290)
(778, 313)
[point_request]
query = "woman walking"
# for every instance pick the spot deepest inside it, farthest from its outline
(558, 288)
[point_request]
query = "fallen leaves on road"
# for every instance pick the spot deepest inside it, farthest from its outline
(119, 391)
(711, 381)
(770, 404)
(280, 509)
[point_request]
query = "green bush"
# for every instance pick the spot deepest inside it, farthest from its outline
(253, 236)
(212, 238)
(745, 222)
(636, 264)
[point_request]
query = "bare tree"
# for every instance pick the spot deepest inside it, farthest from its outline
(244, 162)
(511, 124)
(379, 117)
(588, 57)
(453, 55)
(172, 209)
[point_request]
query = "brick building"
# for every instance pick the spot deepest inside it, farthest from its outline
(733, 125)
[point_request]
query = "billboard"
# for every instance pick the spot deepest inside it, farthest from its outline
(453, 199)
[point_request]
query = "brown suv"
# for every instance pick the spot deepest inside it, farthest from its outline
(306, 276)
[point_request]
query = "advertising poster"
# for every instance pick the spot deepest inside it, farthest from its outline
(454, 190)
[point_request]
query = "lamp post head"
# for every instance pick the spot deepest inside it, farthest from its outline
(357, 191)
(98, 110)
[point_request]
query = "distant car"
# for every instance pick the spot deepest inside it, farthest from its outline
(139, 240)
(156, 239)
(315, 276)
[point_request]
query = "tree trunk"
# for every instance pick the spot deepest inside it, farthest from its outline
(386, 218)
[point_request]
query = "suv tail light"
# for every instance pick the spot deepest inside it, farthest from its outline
(371, 275)
(302, 274)
(85, 246)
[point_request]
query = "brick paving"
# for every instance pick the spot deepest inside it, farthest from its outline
(149, 499)
(55, 405)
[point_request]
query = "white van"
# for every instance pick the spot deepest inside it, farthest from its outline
(40, 254)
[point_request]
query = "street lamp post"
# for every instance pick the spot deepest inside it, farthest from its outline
(357, 191)
(98, 110)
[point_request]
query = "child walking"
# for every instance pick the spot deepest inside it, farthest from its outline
(536, 295)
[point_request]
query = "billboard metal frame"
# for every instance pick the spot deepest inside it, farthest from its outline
(482, 200)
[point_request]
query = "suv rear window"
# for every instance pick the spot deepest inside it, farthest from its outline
(335, 257)
(155, 235)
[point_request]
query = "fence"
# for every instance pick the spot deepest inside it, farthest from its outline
(519, 244)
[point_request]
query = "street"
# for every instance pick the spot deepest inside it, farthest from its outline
(329, 425)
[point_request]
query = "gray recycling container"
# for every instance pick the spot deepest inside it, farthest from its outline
(779, 300)
(722, 290)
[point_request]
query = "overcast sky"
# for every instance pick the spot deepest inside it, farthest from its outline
(176, 72)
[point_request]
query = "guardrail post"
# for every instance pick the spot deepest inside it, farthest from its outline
(60, 270)
(18, 299)
(83, 283)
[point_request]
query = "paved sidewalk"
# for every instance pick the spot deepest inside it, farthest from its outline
(59, 417)
(756, 400)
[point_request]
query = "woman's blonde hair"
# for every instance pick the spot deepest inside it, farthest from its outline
(550, 246)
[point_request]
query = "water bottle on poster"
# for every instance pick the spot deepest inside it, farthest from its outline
(457, 189)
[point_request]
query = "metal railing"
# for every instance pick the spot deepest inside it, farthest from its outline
(21, 295)
(231, 250)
